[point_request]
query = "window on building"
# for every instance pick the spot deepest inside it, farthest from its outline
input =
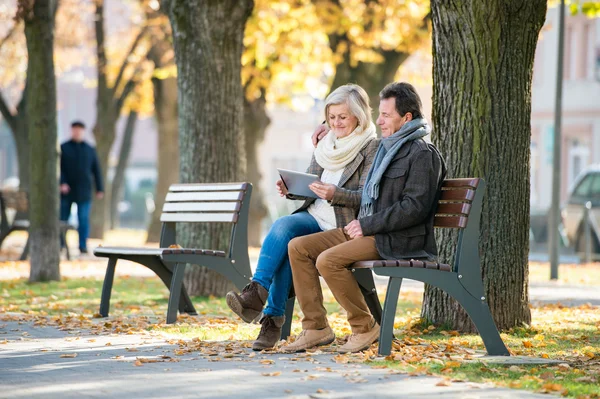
(578, 160)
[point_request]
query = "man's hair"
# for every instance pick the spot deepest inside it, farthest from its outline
(78, 124)
(357, 100)
(407, 98)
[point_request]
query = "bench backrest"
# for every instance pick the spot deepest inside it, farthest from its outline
(17, 201)
(207, 203)
(459, 207)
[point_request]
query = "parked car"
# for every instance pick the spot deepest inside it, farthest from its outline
(586, 189)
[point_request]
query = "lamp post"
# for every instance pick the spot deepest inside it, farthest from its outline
(554, 238)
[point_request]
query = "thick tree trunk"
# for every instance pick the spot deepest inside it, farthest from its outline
(22, 144)
(482, 70)
(256, 122)
(165, 105)
(41, 114)
(117, 184)
(208, 41)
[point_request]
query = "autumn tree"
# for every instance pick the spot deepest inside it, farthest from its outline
(164, 82)
(70, 32)
(41, 119)
(482, 70)
(112, 92)
(208, 42)
(371, 39)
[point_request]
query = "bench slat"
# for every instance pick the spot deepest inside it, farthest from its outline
(456, 183)
(458, 195)
(201, 206)
(205, 196)
(450, 222)
(208, 187)
(416, 264)
(190, 251)
(185, 217)
(105, 251)
(462, 208)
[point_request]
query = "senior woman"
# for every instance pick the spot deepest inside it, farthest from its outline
(342, 161)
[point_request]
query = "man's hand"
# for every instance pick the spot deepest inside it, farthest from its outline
(64, 188)
(320, 132)
(323, 190)
(281, 188)
(353, 229)
(99, 195)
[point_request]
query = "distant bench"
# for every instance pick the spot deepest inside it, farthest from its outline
(190, 203)
(18, 202)
(459, 207)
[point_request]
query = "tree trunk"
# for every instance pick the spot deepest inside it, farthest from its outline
(165, 105)
(22, 145)
(104, 132)
(117, 184)
(482, 68)
(256, 122)
(208, 41)
(41, 114)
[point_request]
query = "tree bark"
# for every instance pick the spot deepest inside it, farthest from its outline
(208, 41)
(165, 106)
(117, 184)
(256, 122)
(41, 113)
(482, 69)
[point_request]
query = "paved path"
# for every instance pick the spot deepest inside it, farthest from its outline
(31, 366)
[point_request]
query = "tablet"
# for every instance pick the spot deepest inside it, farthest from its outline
(297, 182)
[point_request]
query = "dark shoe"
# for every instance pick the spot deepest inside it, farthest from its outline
(270, 332)
(83, 251)
(249, 303)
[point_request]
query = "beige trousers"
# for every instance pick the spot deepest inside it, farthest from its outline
(330, 253)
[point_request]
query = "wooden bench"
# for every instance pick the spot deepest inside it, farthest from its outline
(190, 203)
(459, 207)
(18, 202)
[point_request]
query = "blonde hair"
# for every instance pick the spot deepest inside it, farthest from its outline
(357, 100)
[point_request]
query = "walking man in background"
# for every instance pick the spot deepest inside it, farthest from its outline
(78, 162)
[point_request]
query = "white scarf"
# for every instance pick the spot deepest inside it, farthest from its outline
(334, 154)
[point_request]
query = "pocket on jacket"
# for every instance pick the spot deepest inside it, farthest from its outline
(394, 173)
(418, 230)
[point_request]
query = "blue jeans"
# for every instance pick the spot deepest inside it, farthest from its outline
(83, 216)
(273, 271)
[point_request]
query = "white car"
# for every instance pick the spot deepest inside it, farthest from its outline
(586, 189)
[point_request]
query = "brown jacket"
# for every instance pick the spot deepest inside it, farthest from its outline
(346, 199)
(402, 219)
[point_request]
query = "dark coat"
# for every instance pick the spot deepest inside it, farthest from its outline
(78, 163)
(402, 219)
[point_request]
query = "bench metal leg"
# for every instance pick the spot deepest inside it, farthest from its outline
(386, 335)
(175, 294)
(479, 312)
(364, 278)
(286, 329)
(107, 286)
(26, 249)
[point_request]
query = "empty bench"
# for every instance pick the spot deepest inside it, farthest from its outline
(459, 207)
(18, 203)
(190, 203)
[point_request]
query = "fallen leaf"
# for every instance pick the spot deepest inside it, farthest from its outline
(137, 363)
(273, 374)
(443, 383)
(69, 355)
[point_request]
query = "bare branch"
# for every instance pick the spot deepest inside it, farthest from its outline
(9, 34)
(100, 50)
(9, 116)
(125, 63)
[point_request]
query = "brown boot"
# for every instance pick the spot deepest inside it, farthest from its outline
(249, 303)
(270, 332)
